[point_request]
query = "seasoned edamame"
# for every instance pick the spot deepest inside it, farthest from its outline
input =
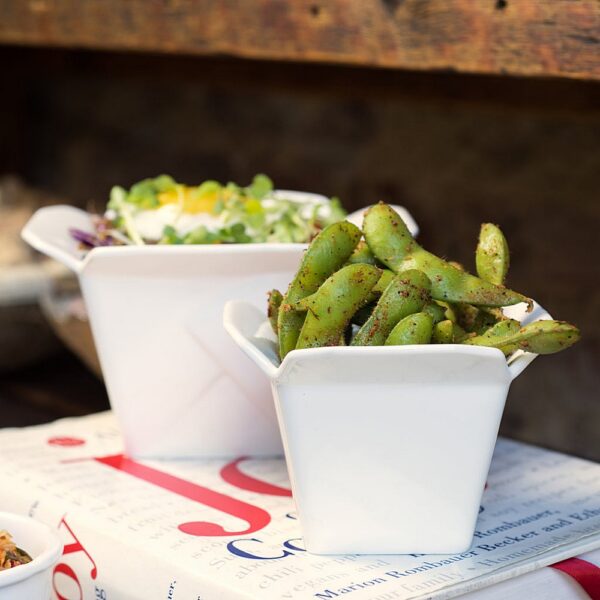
(391, 243)
(413, 329)
(273, 304)
(406, 294)
(332, 307)
(388, 290)
(492, 256)
(326, 254)
(443, 332)
(539, 337)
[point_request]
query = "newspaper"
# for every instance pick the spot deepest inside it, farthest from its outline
(577, 578)
(227, 530)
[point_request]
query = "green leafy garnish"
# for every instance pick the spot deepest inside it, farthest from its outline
(144, 194)
(261, 186)
(232, 214)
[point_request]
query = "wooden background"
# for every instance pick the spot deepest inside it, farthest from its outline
(520, 37)
(456, 150)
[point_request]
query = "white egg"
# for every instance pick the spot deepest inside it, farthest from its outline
(151, 223)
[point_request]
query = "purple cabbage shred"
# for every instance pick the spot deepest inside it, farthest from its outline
(89, 239)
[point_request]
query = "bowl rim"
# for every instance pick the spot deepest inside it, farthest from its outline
(48, 232)
(43, 561)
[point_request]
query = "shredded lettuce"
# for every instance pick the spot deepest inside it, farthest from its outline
(119, 203)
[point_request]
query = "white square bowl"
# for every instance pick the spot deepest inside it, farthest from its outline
(33, 580)
(177, 383)
(388, 448)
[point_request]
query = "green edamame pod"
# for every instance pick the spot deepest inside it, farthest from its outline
(303, 304)
(492, 256)
(414, 329)
(273, 304)
(391, 243)
(362, 255)
(334, 304)
(384, 280)
(326, 254)
(449, 311)
(496, 334)
(379, 287)
(435, 311)
(406, 294)
(540, 337)
(443, 332)
(487, 318)
(546, 337)
(457, 265)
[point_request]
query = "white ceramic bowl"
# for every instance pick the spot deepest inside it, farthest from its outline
(31, 581)
(177, 384)
(388, 448)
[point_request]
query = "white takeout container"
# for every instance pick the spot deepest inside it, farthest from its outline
(388, 448)
(31, 581)
(178, 385)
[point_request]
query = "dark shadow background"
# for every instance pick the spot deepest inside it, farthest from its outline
(455, 150)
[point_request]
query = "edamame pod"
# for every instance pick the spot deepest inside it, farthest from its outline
(406, 294)
(539, 337)
(384, 280)
(476, 319)
(326, 254)
(487, 318)
(546, 337)
(495, 334)
(457, 265)
(362, 255)
(273, 304)
(379, 287)
(414, 329)
(449, 310)
(391, 243)
(334, 304)
(303, 304)
(443, 332)
(492, 256)
(437, 312)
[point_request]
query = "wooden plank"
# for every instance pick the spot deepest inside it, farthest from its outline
(518, 37)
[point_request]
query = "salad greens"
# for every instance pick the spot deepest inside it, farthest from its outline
(163, 211)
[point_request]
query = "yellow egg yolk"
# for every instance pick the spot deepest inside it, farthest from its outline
(189, 199)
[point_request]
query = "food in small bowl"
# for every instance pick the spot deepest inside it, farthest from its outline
(390, 368)
(27, 555)
(163, 211)
(10, 554)
(388, 290)
(178, 385)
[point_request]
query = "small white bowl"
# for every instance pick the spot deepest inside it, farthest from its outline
(32, 581)
(388, 448)
(177, 384)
